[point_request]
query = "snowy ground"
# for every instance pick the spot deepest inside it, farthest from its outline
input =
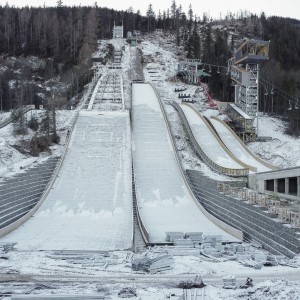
(283, 150)
(11, 159)
(4, 116)
(113, 272)
(271, 289)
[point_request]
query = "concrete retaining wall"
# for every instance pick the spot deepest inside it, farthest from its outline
(256, 224)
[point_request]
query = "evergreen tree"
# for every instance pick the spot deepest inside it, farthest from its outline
(191, 16)
(193, 48)
(59, 3)
(159, 20)
(207, 55)
(150, 17)
(173, 12)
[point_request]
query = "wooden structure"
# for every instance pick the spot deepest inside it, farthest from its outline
(241, 123)
(252, 52)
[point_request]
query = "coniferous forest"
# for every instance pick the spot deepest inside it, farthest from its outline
(65, 38)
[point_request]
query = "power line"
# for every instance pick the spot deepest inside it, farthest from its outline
(280, 92)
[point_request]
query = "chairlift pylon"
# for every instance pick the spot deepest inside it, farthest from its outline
(272, 91)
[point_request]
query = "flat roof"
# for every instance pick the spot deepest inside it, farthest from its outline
(240, 111)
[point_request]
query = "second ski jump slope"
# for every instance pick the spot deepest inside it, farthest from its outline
(209, 143)
(220, 145)
(164, 201)
(90, 204)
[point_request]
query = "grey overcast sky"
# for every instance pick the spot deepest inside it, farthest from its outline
(284, 8)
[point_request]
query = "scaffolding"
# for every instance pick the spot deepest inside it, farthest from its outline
(244, 70)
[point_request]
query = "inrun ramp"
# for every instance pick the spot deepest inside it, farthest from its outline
(164, 201)
(90, 204)
(234, 145)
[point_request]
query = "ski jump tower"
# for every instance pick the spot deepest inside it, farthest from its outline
(244, 71)
(118, 31)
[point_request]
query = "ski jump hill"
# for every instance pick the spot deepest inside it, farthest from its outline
(165, 202)
(218, 145)
(89, 206)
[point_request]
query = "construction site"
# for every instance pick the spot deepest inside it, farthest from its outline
(121, 212)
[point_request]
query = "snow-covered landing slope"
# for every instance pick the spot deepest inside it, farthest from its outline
(164, 201)
(90, 205)
(207, 141)
(231, 141)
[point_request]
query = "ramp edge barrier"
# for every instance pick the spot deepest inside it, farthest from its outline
(132, 182)
(136, 217)
(244, 146)
(142, 227)
(95, 91)
(87, 92)
(219, 140)
(202, 154)
(11, 227)
(131, 175)
(226, 227)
